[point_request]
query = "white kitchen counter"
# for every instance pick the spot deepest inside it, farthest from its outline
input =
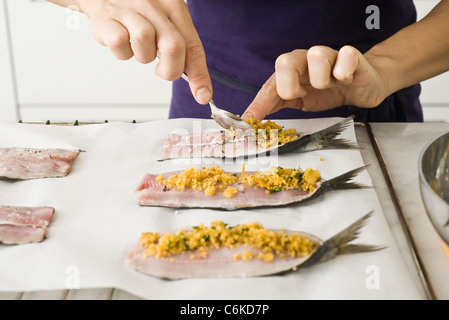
(400, 146)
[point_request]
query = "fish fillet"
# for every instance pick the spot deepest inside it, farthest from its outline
(223, 260)
(24, 164)
(10, 234)
(26, 216)
(151, 193)
(210, 144)
(219, 263)
(220, 260)
(236, 144)
(19, 225)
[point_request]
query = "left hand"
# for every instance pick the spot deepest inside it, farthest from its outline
(319, 79)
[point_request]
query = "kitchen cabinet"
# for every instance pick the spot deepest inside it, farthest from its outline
(54, 69)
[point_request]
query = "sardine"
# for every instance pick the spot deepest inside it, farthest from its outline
(151, 193)
(224, 144)
(20, 225)
(221, 262)
(27, 163)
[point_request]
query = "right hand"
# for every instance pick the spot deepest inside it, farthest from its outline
(320, 79)
(140, 28)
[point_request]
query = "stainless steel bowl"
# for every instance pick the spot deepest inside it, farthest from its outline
(434, 183)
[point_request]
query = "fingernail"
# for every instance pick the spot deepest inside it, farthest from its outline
(203, 95)
(247, 115)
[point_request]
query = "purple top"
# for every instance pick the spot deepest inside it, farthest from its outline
(243, 38)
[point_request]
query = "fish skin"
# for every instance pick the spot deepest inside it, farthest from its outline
(212, 148)
(150, 193)
(219, 263)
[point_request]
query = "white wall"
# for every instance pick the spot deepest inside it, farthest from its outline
(8, 101)
(435, 91)
(55, 70)
(62, 73)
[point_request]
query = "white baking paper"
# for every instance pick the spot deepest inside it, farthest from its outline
(97, 219)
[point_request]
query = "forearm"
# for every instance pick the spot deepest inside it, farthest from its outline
(416, 53)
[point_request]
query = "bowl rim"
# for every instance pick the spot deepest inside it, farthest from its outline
(420, 158)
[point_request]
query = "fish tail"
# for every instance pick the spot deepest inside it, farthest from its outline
(323, 139)
(343, 181)
(327, 140)
(340, 243)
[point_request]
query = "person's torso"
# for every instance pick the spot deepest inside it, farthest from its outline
(243, 38)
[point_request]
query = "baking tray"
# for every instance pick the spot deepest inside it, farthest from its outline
(370, 152)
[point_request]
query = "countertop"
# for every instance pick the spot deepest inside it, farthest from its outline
(391, 151)
(400, 145)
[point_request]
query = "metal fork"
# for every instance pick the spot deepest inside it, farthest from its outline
(224, 118)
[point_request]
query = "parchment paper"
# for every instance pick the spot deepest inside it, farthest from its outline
(97, 219)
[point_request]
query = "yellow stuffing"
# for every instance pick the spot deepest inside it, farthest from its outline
(214, 179)
(229, 192)
(310, 178)
(269, 133)
(199, 241)
(207, 179)
(209, 191)
(245, 256)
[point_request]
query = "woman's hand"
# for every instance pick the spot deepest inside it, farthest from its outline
(319, 79)
(141, 28)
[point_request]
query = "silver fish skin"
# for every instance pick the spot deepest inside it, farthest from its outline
(150, 193)
(220, 264)
(219, 145)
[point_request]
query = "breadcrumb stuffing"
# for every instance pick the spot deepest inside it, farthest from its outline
(214, 179)
(267, 243)
(229, 192)
(269, 133)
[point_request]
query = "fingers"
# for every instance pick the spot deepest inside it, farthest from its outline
(303, 77)
(264, 102)
(113, 35)
(169, 41)
(142, 36)
(140, 29)
(195, 57)
(284, 85)
(321, 61)
(290, 68)
(348, 61)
